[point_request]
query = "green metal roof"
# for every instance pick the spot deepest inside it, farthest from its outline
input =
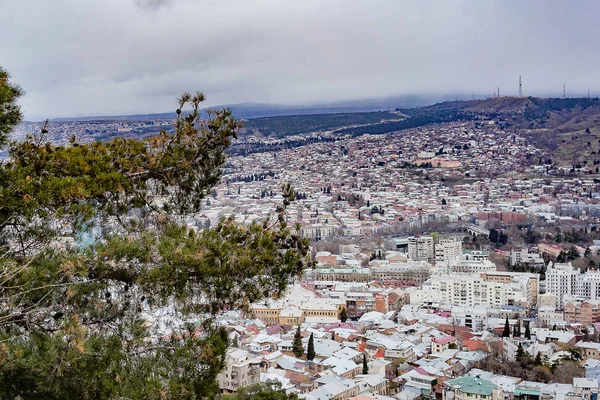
(469, 384)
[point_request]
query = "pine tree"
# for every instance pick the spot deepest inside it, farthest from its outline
(297, 347)
(343, 315)
(80, 314)
(310, 352)
(365, 369)
(506, 332)
(528, 333)
(10, 111)
(520, 353)
(538, 359)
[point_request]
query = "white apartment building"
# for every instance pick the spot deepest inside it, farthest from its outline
(448, 251)
(474, 266)
(319, 231)
(521, 255)
(421, 248)
(562, 279)
(470, 291)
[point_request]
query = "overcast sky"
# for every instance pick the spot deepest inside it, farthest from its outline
(99, 57)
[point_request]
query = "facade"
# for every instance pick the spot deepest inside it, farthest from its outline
(563, 280)
(488, 289)
(319, 231)
(421, 248)
(448, 250)
(240, 370)
(522, 256)
(414, 273)
(581, 312)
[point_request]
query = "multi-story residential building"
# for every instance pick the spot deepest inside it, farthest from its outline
(581, 312)
(421, 248)
(414, 273)
(471, 267)
(549, 316)
(319, 231)
(530, 282)
(469, 291)
(240, 370)
(522, 256)
(448, 251)
(562, 280)
(443, 343)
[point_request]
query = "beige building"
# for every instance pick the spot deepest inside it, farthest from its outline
(240, 370)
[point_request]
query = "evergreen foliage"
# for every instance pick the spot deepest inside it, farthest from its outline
(310, 351)
(343, 315)
(297, 347)
(506, 332)
(10, 112)
(86, 322)
(365, 368)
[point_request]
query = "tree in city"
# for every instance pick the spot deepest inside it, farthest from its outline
(506, 331)
(343, 315)
(566, 370)
(310, 351)
(297, 347)
(520, 353)
(130, 314)
(528, 333)
(365, 366)
(538, 359)
(493, 235)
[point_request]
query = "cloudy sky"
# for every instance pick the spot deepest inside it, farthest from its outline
(99, 57)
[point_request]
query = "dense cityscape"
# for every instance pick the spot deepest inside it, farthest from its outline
(284, 200)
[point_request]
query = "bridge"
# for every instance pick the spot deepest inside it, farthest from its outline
(477, 230)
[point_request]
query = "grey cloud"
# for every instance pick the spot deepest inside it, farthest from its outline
(152, 4)
(136, 56)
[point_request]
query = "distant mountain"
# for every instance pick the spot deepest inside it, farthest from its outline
(258, 110)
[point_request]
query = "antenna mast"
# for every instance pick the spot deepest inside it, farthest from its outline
(520, 87)
(564, 90)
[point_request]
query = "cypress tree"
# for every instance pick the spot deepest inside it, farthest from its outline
(506, 332)
(528, 334)
(520, 353)
(365, 370)
(310, 352)
(297, 347)
(343, 315)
